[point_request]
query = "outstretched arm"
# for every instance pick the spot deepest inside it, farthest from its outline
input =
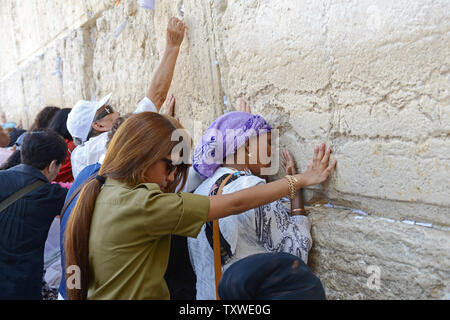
(227, 204)
(160, 84)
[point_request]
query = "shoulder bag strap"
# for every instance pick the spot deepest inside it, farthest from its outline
(19, 194)
(216, 243)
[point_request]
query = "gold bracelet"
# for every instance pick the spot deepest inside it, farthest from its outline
(291, 187)
(294, 180)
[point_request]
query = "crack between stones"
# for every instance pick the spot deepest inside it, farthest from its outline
(352, 253)
(215, 63)
(362, 213)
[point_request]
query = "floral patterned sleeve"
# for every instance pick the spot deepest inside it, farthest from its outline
(280, 232)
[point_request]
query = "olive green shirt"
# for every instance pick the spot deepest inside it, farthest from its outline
(129, 239)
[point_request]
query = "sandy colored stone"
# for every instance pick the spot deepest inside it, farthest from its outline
(370, 78)
(413, 260)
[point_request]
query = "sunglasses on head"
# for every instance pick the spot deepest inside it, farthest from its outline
(108, 109)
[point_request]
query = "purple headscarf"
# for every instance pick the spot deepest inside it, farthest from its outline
(224, 137)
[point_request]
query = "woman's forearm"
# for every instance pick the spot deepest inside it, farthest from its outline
(159, 87)
(160, 84)
(240, 201)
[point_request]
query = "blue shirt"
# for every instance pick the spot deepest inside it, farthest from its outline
(24, 227)
(80, 179)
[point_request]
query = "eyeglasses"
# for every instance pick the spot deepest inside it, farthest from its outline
(170, 167)
(108, 109)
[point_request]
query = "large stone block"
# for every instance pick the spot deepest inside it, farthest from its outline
(56, 17)
(370, 78)
(76, 64)
(350, 251)
(29, 26)
(12, 97)
(378, 170)
(7, 42)
(25, 27)
(268, 48)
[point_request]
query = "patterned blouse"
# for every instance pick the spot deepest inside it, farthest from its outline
(268, 228)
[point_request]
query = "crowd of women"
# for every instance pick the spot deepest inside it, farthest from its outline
(139, 221)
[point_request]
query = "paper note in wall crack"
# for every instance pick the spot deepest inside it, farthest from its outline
(181, 9)
(148, 4)
(58, 71)
(120, 28)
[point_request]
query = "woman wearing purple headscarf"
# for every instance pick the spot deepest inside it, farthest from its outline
(232, 145)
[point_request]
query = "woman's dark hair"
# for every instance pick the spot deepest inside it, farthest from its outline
(58, 123)
(12, 161)
(44, 117)
(40, 147)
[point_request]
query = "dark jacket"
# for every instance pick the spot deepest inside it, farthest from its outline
(24, 226)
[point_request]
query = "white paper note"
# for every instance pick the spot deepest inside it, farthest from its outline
(120, 28)
(148, 4)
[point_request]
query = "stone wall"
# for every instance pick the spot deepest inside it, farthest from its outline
(371, 78)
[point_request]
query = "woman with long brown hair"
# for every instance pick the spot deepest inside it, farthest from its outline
(117, 239)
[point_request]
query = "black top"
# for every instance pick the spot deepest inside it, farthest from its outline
(180, 277)
(24, 227)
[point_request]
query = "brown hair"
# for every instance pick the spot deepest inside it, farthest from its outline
(142, 140)
(44, 117)
(117, 123)
(183, 167)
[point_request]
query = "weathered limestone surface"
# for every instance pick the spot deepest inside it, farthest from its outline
(372, 78)
(413, 262)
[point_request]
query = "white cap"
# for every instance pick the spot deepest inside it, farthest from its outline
(80, 118)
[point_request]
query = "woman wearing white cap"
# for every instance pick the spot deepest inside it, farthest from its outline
(90, 121)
